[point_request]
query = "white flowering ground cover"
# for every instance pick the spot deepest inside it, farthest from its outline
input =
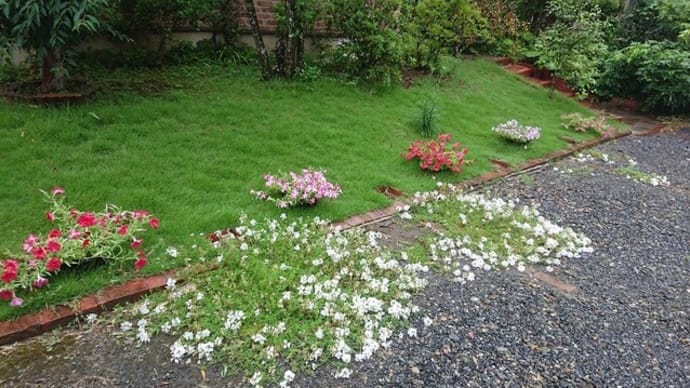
(482, 234)
(626, 166)
(287, 296)
(290, 296)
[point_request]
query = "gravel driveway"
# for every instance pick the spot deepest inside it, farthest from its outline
(625, 324)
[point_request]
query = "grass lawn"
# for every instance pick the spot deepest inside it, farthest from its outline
(191, 156)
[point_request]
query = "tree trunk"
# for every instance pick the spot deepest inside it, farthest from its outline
(293, 39)
(258, 41)
(52, 77)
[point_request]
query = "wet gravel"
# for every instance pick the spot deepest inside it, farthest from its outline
(626, 324)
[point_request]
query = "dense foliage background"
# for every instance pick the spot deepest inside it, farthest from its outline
(604, 48)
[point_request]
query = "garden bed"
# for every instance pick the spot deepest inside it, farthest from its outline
(27, 92)
(192, 157)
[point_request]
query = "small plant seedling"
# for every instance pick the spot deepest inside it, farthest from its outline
(426, 125)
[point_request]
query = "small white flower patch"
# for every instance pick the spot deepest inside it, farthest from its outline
(523, 237)
(344, 373)
(256, 378)
(125, 326)
(172, 251)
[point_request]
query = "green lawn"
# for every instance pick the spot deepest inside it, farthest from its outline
(191, 156)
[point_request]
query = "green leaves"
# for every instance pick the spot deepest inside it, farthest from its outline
(374, 41)
(49, 28)
(574, 44)
(444, 27)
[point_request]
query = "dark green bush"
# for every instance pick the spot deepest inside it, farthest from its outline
(573, 46)
(508, 34)
(137, 19)
(373, 43)
(656, 20)
(656, 73)
(443, 27)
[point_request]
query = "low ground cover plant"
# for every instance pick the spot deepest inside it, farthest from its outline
(436, 155)
(75, 237)
(292, 295)
(479, 233)
(513, 131)
(625, 166)
(289, 295)
(579, 123)
(295, 189)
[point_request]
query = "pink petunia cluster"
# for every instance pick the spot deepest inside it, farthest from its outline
(75, 236)
(295, 189)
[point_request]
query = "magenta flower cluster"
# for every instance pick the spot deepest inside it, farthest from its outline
(75, 236)
(512, 130)
(295, 189)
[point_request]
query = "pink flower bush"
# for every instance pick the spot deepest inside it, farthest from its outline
(74, 237)
(298, 189)
(436, 155)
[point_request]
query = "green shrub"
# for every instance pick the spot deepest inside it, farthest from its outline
(508, 34)
(537, 14)
(442, 27)
(139, 18)
(374, 42)
(656, 20)
(656, 73)
(574, 44)
(50, 30)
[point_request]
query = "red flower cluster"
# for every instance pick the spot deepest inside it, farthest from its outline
(81, 235)
(435, 155)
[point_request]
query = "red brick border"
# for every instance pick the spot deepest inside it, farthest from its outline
(500, 172)
(47, 319)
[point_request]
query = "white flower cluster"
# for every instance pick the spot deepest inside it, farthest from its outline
(519, 236)
(340, 286)
(630, 171)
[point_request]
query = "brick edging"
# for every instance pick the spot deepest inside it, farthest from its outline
(47, 319)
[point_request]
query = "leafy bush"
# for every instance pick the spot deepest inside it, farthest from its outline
(508, 34)
(441, 27)
(139, 18)
(374, 42)
(656, 20)
(50, 30)
(537, 14)
(574, 44)
(656, 73)
(436, 155)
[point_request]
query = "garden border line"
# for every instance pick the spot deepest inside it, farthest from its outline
(49, 318)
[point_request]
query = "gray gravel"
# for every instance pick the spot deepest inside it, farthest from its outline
(627, 323)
